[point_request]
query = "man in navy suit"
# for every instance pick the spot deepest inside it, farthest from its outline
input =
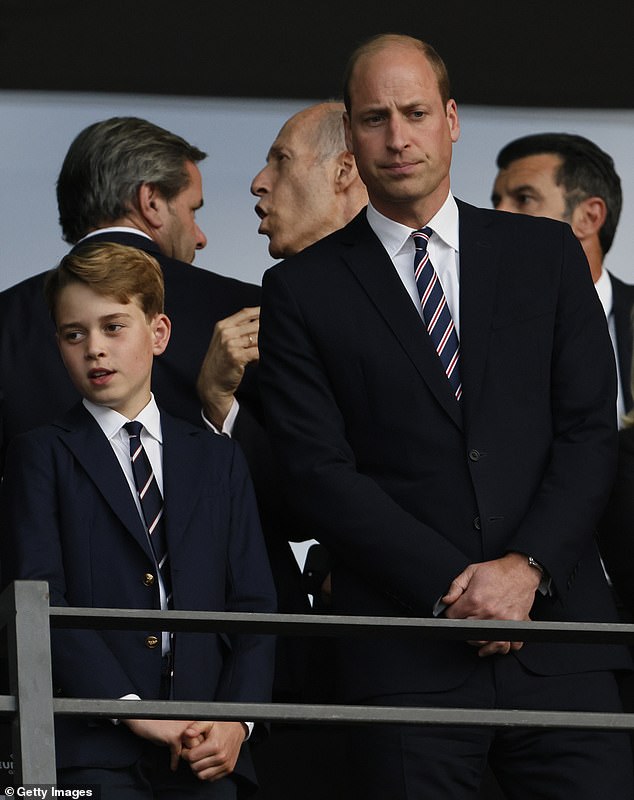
(75, 513)
(459, 474)
(567, 177)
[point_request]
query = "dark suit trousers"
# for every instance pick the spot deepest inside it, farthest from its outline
(150, 778)
(408, 762)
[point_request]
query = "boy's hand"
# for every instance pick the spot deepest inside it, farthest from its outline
(212, 748)
(163, 732)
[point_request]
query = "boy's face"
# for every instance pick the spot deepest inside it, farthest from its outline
(108, 347)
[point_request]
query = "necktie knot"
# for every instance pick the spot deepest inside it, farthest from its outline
(421, 239)
(134, 427)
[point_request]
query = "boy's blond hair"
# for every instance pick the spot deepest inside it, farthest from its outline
(125, 273)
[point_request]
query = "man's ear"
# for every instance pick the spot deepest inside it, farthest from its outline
(453, 121)
(588, 217)
(151, 204)
(161, 330)
(345, 171)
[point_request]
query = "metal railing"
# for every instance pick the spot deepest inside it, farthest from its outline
(28, 617)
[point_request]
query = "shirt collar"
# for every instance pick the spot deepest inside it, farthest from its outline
(115, 229)
(111, 422)
(604, 290)
(394, 236)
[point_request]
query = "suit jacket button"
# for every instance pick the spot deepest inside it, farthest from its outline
(148, 579)
(474, 455)
(151, 642)
(476, 523)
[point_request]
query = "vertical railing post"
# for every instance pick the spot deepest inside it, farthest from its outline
(30, 681)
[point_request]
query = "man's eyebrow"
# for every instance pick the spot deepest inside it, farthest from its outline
(373, 108)
(274, 150)
(522, 188)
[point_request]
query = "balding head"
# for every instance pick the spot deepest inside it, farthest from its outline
(310, 186)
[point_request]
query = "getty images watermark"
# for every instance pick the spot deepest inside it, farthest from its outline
(46, 791)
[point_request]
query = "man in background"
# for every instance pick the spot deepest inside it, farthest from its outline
(567, 177)
(310, 185)
(309, 188)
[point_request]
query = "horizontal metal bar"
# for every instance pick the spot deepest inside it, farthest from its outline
(340, 625)
(7, 704)
(344, 714)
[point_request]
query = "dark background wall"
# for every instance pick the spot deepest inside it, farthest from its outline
(227, 75)
(549, 53)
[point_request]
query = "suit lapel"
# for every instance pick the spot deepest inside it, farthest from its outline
(373, 268)
(84, 438)
(479, 264)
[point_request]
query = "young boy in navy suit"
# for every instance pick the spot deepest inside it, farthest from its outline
(76, 512)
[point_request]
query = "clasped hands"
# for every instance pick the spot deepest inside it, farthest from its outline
(502, 589)
(210, 748)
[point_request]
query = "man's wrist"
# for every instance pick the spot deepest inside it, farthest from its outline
(544, 581)
(217, 408)
(536, 565)
(228, 423)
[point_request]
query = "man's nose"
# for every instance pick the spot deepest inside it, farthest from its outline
(201, 239)
(259, 184)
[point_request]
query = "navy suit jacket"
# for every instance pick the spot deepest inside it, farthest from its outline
(407, 487)
(69, 518)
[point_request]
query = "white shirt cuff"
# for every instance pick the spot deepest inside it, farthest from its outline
(228, 424)
(125, 697)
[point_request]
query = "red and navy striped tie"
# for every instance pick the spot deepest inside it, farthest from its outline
(436, 313)
(151, 502)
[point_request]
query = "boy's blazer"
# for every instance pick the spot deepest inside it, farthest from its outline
(405, 486)
(68, 517)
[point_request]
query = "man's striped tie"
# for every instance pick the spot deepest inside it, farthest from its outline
(436, 312)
